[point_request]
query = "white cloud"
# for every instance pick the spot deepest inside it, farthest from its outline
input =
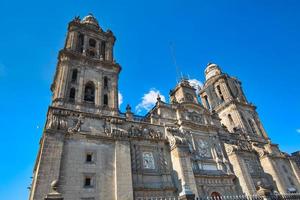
(149, 99)
(196, 84)
(120, 100)
(298, 130)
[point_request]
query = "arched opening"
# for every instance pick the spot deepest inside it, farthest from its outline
(80, 42)
(251, 124)
(102, 50)
(105, 100)
(230, 119)
(105, 82)
(89, 92)
(220, 93)
(207, 102)
(216, 195)
(74, 75)
(92, 43)
(72, 95)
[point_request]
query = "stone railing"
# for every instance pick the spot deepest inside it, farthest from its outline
(292, 196)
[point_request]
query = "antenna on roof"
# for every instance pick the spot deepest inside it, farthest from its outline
(178, 73)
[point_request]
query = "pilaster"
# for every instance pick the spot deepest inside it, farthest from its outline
(123, 175)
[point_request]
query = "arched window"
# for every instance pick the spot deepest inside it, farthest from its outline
(105, 100)
(102, 49)
(92, 43)
(251, 124)
(72, 95)
(89, 92)
(230, 119)
(80, 42)
(105, 82)
(74, 75)
(207, 102)
(220, 93)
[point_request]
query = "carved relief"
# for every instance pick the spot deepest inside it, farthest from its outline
(77, 125)
(57, 120)
(148, 160)
(203, 148)
(132, 132)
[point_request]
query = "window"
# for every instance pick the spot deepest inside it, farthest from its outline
(251, 124)
(72, 95)
(105, 100)
(80, 42)
(74, 75)
(105, 82)
(207, 102)
(102, 49)
(230, 119)
(91, 53)
(89, 157)
(291, 181)
(220, 93)
(92, 43)
(87, 182)
(89, 92)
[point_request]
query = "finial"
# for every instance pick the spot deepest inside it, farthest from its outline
(128, 108)
(158, 98)
(54, 185)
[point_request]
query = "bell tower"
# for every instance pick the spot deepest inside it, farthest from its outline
(224, 95)
(87, 75)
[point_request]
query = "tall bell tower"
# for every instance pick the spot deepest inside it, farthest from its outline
(86, 78)
(224, 95)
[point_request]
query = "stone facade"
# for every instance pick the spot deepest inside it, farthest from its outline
(90, 150)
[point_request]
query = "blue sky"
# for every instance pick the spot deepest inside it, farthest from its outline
(256, 41)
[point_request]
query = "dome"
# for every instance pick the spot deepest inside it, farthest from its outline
(212, 70)
(90, 19)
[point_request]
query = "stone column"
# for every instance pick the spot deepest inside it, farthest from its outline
(80, 92)
(271, 168)
(85, 43)
(98, 94)
(123, 176)
(62, 81)
(74, 41)
(241, 171)
(182, 165)
(47, 167)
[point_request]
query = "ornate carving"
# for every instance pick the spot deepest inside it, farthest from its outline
(132, 132)
(176, 137)
(203, 148)
(57, 120)
(77, 126)
(148, 160)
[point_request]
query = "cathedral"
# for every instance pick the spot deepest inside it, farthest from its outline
(205, 142)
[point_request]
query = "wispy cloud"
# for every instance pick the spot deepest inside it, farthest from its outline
(148, 100)
(120, 96)
(196, 84)
(298, 130)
